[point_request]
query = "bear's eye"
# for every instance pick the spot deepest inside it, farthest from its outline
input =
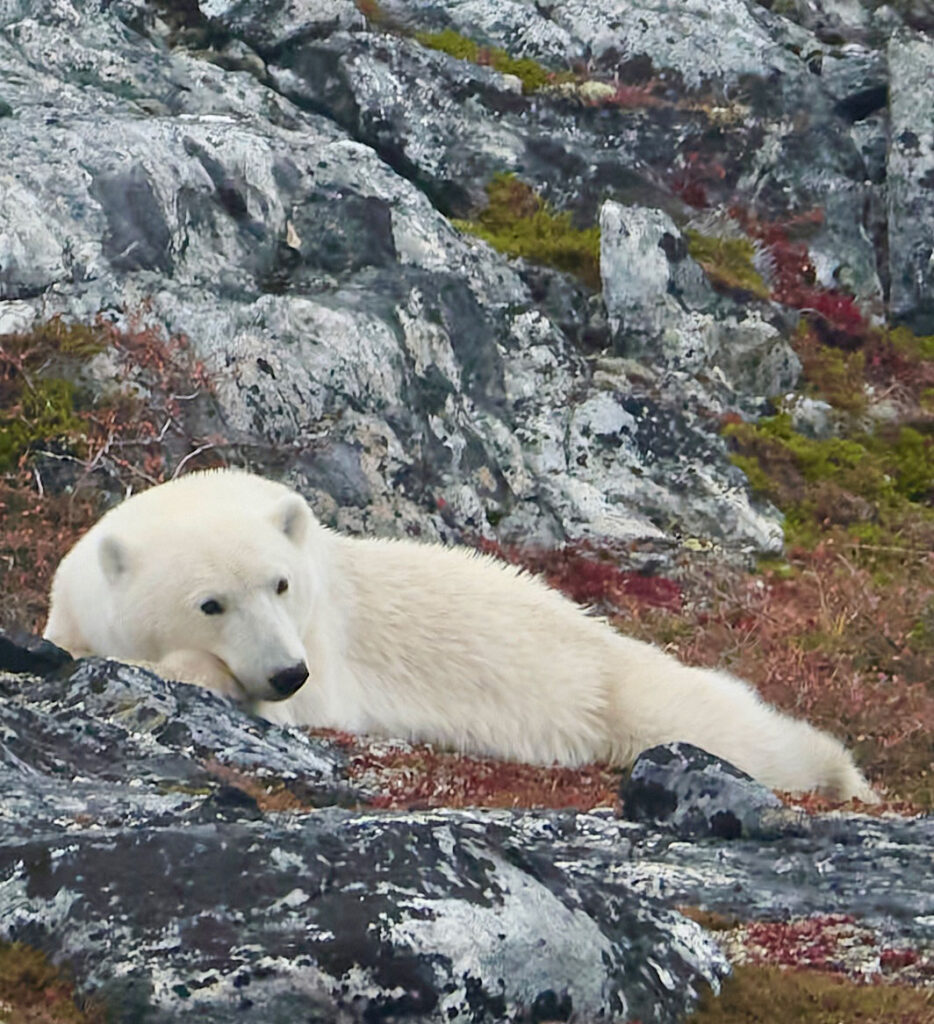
(212, 607)
(282, 586)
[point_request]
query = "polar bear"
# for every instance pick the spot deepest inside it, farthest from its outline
(226, 579)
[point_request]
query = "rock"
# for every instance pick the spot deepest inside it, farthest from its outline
(681, 787)
(141, 843)
(264, 183)
(812, 417)
(131, 813)
(911, 182)
(334, 306)
(634, 267)
(30, 654)
(648, 281)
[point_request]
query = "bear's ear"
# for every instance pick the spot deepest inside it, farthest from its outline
(293, 517)
(114, 558)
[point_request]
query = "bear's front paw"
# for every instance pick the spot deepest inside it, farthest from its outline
(202, 669)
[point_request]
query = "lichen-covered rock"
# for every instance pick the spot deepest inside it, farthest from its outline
(138, 844)
(684, 788)
(275, 185)
(911, 182)
(127, 851)
(653, 315)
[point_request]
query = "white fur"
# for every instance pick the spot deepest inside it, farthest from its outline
(401, 639)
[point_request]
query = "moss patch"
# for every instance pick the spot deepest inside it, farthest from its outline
(32, 991)
(37, 393)
(89, 439)
(867, 483)
(833, 374)
(873, 486)
(728, 262)
(770, 995)
(518, 222)
(532, 75)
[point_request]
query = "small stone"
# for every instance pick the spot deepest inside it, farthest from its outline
(683, 788)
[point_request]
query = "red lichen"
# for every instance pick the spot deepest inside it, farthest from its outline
(418, 776)
(814, 942)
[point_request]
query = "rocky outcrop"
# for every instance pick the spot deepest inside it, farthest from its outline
(131, 850)
(189, 862)
(275, 184)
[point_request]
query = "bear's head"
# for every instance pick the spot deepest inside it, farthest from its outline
(233, 582)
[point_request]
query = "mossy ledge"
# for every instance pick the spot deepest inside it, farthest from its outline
(532, 75)
(518, 222)
(728, 262)
(867, 483)
(870, 478)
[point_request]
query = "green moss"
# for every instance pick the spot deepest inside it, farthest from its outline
(836, 376)
(452, 43)
(843, 461)
(917, 346)
(922, 632)
(532, 75)
(32, 991)
(866, 483)
(912, 462)
(36, 395)
(518, 222)
(770, 995)
(759, 480)
(46, 410)
(728, 262)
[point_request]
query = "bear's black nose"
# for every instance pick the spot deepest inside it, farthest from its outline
(286, 682)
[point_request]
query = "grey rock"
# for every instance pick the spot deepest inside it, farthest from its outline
(274, 181)
(877, 869)
(336, 308)
(911, 182)
(701, 44)
(657, 312)
(682, 787)
(634, 268)
(830, 20)
(174, 894)
(281, 22)
(812, 417)
(690, 38)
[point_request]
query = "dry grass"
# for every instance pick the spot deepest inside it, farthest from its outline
(771, 995)
(416, 776)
